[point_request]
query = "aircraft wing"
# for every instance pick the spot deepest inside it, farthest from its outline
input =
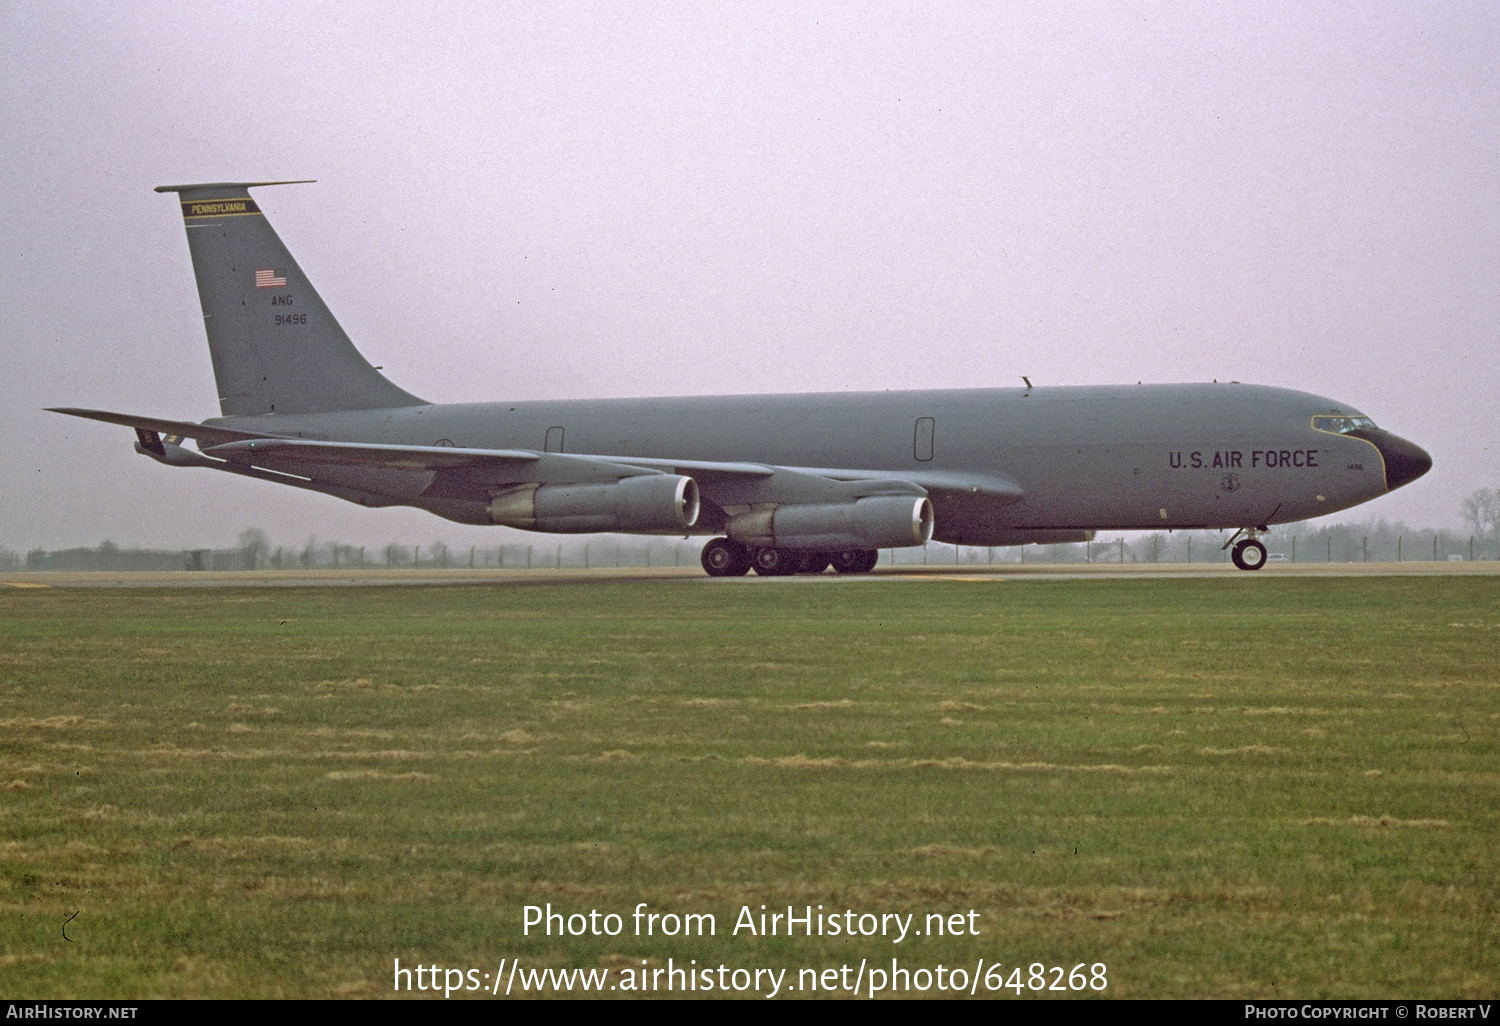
(362, 454)
(730, 485)
(697, 468)
(749, 483)
(991, 488)
(478, 467)
(443, 457)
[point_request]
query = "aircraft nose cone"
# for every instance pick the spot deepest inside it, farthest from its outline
(1404, 461)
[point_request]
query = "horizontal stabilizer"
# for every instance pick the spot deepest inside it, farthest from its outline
(181, 428)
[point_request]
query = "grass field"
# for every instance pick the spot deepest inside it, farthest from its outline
(1218, 788)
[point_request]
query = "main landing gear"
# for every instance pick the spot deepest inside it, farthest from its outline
(725, 557)
(1248, 552)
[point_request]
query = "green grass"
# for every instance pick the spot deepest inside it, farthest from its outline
(1218, 788)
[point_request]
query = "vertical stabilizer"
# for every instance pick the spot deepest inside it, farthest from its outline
(276, 348)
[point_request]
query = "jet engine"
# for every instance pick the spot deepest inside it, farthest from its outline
(877, 522)
(664, 503)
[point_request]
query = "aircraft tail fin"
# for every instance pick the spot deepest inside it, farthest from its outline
(276, 347)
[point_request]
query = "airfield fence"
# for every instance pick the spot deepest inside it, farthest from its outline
(1333, 544)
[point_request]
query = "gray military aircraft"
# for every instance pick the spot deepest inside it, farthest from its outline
(791, 483)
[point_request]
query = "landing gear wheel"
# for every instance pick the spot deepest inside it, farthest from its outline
(1249, 554)
(855, 561)
(724, 557)
(814, 562)
(775, 562)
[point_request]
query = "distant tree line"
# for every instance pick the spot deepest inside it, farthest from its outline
(255, 552)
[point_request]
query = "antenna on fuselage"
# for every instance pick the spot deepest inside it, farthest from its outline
(1027, 380)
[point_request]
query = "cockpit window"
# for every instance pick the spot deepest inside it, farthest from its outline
(1343, 425)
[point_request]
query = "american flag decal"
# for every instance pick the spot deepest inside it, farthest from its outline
(267, 279)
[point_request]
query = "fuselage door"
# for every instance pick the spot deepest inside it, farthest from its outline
(554, 439)
(921, 446)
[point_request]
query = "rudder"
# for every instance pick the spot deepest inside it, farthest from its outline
(276, 348)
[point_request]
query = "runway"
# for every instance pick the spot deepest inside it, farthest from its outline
(1010, 572)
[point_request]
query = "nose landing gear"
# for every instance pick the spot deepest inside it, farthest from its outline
(1248, 552)
(1249, 555)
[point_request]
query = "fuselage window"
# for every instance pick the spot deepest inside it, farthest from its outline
(921, 446)
(1343, 425)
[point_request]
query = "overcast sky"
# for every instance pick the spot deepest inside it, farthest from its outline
(574, 200)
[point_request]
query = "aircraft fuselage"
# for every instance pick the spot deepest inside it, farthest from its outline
(1102, 457)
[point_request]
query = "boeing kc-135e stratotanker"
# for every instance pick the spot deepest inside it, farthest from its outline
(788, 483)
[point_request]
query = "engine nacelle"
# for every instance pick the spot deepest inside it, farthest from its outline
(878, 522)
(663, 503)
